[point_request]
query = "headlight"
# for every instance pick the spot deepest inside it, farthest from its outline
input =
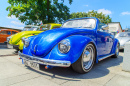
(8, 39)
(64, 46)
(25, 41)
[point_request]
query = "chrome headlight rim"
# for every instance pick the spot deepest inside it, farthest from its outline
(8, 39)
(25, 41)
(64, 46)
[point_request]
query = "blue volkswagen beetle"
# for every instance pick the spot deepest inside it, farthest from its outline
(78, 43)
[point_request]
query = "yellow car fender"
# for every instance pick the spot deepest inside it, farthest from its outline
(17, 38)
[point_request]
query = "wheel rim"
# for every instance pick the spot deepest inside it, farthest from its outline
(117, 49)
(87, 57)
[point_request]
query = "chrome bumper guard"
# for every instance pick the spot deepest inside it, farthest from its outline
(45, 61)
(122, 46)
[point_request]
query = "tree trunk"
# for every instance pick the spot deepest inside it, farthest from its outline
(48, 5)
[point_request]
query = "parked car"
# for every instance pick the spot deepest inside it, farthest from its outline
(78, 43)
(4, 33)
(123, 37)
(15, 41)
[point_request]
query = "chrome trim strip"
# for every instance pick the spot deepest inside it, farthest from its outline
(42, 61)
(104, 57)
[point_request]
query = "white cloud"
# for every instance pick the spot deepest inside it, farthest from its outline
(11, 17)
(16, 23)
(86, 5)
(125, 13)
(104, 11)
(11, 26)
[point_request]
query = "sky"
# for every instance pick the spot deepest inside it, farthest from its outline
(119, 11)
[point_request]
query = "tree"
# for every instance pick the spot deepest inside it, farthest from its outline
(78, 15)
(34, 11)
(102, 17)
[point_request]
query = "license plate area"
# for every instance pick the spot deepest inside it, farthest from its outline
(9, 46)
(31, 64)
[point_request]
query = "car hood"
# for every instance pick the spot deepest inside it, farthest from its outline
(123, 40)
(16, 38)
(44, 42)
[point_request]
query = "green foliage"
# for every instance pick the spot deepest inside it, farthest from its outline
(78, 15)
(102, 17)
(34, 11)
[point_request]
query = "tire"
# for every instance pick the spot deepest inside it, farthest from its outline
(117, 51)
(86, 61)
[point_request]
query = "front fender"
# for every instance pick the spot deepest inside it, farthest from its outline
(26, 50)
(17, 37)
(77, 42)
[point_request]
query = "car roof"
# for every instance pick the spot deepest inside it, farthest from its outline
(42, 24)
(8, 30)
(31, 26)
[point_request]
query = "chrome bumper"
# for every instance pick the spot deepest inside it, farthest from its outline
(122, 46)
(43, 61)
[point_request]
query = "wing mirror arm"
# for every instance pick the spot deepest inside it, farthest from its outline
(105, 27)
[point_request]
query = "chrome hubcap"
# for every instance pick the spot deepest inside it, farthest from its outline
(87, 57)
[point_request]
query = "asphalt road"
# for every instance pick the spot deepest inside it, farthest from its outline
(107, 72)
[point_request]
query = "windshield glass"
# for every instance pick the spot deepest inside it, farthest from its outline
(30, 28)
(45, 27)
(124, 35)
(80, 23)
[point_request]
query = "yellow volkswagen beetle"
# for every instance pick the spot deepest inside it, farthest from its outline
(15, 41)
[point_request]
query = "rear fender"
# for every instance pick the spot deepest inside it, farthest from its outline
(116, 41)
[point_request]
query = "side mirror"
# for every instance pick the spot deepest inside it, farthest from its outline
(105, 27)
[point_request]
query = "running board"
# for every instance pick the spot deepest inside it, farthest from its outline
(104, 57)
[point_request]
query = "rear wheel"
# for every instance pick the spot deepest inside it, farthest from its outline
(86, 60)
(117, 51)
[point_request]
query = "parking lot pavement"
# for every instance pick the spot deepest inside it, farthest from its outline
(106, 73)
(4, 51)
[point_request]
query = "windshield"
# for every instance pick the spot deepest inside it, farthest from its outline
(80, 23)
(45, 27)
(30, 28)
(124, 35)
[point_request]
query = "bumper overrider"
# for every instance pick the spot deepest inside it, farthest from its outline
(122, 46)
(43, 61)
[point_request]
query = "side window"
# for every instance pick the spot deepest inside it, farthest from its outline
(56, 27)
(6, 32)
(13, 32)
(2, 32)
(38, 28)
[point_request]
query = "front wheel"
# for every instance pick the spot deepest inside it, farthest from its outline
(86, 61)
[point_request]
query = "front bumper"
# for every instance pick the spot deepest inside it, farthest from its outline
(9, 46)
(122, 46)
(16, 47)
(13, 46)
(43, 61)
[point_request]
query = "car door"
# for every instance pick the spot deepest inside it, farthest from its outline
(103, 41)
(109, 43)
(3, 35)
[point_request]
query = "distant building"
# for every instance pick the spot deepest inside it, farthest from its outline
(9, 28)
(115, 27)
